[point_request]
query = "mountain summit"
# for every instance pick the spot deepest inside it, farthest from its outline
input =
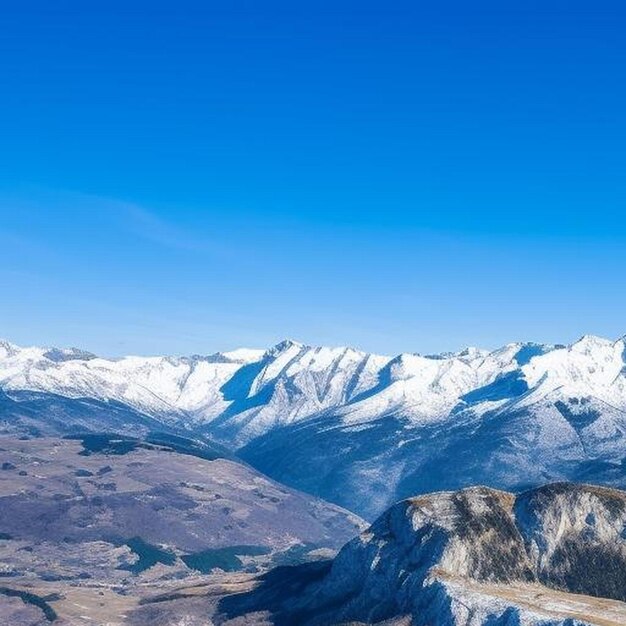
(475, 557)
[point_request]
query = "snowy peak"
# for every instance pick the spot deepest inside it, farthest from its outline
(285, 345)
(243, 355)
(240, 355)
(59, 355)
(292, 381)
(7, 349)
(590, 362)
(589, 343)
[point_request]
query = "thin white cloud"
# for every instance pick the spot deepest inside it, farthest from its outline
(163, 232)
(126, 216)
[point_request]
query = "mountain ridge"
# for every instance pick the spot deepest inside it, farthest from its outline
(402, 566)
(368, 427)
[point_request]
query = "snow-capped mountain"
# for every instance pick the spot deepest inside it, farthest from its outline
(170, 388)
(250, 392)
(359, 429)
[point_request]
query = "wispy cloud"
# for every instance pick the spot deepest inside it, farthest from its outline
(153, 227)
(129, 217)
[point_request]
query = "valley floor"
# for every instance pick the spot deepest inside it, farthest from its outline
(101, 605)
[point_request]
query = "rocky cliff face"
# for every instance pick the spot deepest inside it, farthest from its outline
(576, 537)
(476, 557)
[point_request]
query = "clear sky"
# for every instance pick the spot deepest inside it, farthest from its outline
(184, 177)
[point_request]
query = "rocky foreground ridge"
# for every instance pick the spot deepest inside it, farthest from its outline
(475, 557)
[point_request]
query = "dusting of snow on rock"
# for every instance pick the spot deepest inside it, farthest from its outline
(476, 557)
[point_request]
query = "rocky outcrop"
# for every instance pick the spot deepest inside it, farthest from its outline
(576, 537)
(476, 557)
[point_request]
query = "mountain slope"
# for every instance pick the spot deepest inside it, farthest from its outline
(358, 429)
(477, 557)
(107, 514)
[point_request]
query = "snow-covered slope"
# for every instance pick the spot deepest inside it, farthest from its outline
(359, 429)
(245, 393)
(476, 557)
(164, 386)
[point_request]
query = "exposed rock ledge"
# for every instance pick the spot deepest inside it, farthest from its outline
(553, 556)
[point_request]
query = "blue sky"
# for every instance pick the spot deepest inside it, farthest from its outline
(408, 176)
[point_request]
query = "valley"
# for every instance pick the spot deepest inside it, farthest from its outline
(218, 489)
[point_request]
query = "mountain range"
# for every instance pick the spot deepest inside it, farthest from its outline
(358, 429)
